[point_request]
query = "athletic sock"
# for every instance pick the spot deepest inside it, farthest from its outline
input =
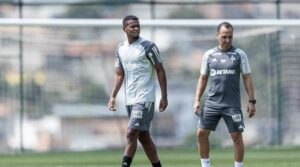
(205, 163)
(238, 164)
(156, 164)
(126, 161)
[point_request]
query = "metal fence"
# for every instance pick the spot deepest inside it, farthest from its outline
(68, 72)
(55, 80)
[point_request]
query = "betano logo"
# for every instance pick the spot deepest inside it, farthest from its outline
(214, 72)
(132, 66)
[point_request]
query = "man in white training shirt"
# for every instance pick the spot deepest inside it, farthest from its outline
(136, 61)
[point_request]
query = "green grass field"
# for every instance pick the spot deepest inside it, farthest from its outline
(267, 157)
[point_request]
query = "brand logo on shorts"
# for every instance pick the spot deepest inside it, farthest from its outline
(137, 114)
(237, 117)
(137, 124)
(241, 127)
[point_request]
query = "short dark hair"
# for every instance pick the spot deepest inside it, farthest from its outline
(224, 24)
(129, 17)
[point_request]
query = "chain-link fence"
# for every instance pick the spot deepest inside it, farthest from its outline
(55, 81)
(68, 73)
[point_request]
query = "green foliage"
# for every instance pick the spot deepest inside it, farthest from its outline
(186, 13)
(92, 93)
(83, 12)
(4, 86)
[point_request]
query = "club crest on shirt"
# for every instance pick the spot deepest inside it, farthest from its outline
(232, 58)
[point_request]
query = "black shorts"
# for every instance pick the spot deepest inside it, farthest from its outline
(140, 115)
(210, 116)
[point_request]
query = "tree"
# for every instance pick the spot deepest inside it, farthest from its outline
(186, 13)
(86, 11)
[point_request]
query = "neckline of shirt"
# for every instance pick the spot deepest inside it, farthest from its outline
(224, 51)
(136, 41)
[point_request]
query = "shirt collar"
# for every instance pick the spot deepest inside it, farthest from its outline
(136, 41)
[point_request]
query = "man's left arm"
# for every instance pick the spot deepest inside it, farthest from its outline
(250, 91)
(162, 79)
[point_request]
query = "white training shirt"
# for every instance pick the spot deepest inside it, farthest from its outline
(137, 60)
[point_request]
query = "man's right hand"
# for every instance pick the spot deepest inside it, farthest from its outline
(163, 104)
(111, 104)
(197, 107)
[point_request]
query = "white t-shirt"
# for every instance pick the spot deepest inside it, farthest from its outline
(137, 60)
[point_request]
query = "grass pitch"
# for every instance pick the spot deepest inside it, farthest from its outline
(266, 157)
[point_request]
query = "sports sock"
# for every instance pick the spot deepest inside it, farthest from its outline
(238, 164)
(156, 164)
(126, 161)
(205, 163)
